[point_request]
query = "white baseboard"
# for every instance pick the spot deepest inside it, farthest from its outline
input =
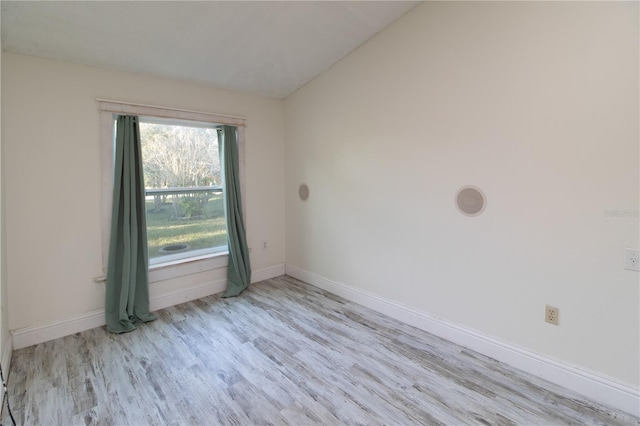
(592, 385)
(28, 336)
(267, 273)
(7, 351)
(33, 335)
(183, 295)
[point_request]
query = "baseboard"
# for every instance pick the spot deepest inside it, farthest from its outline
(601, 389)
(7, 351)
(29, 336)
(183, 295)
(267, 273)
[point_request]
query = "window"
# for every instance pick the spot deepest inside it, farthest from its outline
(183, 183)
(183, 186)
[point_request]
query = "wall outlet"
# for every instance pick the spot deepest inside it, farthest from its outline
(632, 259)
(551, 314)
(264, 244)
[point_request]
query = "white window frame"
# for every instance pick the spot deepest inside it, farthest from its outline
(109, 109)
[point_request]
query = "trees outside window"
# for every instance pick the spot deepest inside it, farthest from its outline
(183, 182)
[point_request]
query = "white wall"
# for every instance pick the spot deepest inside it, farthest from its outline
(5, 339)
(53, 179)
(536, 104)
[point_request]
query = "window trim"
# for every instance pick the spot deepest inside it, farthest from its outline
(108, 109)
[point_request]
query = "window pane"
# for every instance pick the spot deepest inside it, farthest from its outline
(185, 210)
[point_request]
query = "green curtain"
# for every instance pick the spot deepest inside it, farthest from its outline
(127, 295)
(239, 274)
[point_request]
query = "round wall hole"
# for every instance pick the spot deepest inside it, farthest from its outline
(303, 192)
(470, 201)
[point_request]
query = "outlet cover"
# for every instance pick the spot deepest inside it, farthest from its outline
(632, 259)
(551, 314)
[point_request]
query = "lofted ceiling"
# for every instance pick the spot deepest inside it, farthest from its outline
(270, 48)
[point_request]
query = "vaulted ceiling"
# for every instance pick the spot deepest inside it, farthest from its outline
(270, 48)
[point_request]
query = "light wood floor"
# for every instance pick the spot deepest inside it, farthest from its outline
(282, 353)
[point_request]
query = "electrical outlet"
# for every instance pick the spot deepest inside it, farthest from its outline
(551, 314)
(632, 259)
(264, 244)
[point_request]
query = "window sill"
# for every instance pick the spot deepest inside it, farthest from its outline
(188, 260)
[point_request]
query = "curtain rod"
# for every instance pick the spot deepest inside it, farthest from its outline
(237, 117)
